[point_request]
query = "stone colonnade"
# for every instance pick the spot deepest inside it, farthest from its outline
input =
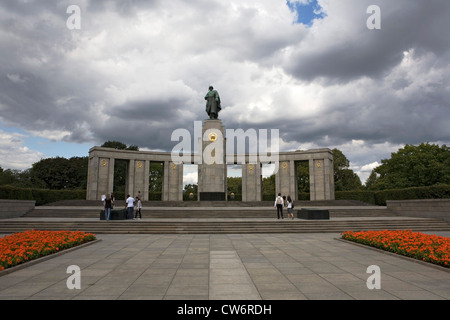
(102, 160)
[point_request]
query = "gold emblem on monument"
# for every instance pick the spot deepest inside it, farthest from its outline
(212, 136)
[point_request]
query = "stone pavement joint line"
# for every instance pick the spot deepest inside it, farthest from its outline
(226, 266)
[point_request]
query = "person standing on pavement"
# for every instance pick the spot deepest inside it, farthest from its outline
(107, 206)
(130, 207)
(290, 207)
(279, 204)
(138, 208)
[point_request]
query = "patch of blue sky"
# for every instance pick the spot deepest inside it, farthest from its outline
(306, 11)
(47, 147)
(52, 149)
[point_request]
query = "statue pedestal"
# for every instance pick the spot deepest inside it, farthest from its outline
(212, 172)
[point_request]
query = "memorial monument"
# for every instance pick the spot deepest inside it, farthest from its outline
(213, 106)
(212, 167)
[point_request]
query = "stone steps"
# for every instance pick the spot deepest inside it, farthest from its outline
(266, 213)
(207, 226)
(152, 204)
(182, 218)
(203, 212)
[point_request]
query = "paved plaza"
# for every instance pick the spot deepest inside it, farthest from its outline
(307, 266)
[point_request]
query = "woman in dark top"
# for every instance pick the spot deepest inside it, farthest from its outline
(107, 205)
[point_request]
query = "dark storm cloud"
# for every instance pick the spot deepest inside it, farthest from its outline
(372, 53)
(137, 70)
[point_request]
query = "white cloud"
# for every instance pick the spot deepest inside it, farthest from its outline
(13, 153)
(138, 70)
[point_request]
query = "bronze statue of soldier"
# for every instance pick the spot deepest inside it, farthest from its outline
(212, 103)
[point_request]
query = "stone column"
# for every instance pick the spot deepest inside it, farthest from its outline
(318, 180)
(92, 179)
(251, 182)
(139, 178)
(212, 172)
(329, 179)
(146, 180)
(293, 184)
(282, 179)
(285, 179)
(165, 185)
(111, 175)
(130, 179)
(175, 182)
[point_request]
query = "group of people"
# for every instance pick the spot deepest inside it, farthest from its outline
(133, 207)
(281, 202)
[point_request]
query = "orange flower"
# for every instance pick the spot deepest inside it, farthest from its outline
(20, 247)
(430, 248)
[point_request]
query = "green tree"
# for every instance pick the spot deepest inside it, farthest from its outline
(371, 181)
(414, 166)
(234, 184)
(156, 176)
(344, 177)
(191, 188)
(268, 186)
(60, 173)
(119, 145)
(7, 177)
(303, 176)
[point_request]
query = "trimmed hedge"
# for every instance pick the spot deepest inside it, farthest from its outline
(379, 197)
(364, 196)
(43, 196)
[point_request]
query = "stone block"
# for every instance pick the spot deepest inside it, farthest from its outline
(115, 215)
(313, 214)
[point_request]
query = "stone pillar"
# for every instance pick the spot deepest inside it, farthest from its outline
(92, 178)
(129, 188)
(112, 162)
(282, 179)
(172, 182)
(251, 182)
(103, 180)
(329, 179)
(140, 175)
(212, 171)
(146, 180)
(165, 184)
(175, 182)
(285, 179)
(321, 179)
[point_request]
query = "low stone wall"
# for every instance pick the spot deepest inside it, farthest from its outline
(427, 208)
(15, 208)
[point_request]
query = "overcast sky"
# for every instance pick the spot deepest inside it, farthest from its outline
(137, 70)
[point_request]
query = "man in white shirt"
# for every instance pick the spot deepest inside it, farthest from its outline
(279, 204)
(130, 207)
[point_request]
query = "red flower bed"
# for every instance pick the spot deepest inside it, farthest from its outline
(430, 248)
(24, 246)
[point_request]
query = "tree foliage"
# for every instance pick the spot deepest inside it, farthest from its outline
(344, 177)
(119, 145)
(413, 166)
(60, 173)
